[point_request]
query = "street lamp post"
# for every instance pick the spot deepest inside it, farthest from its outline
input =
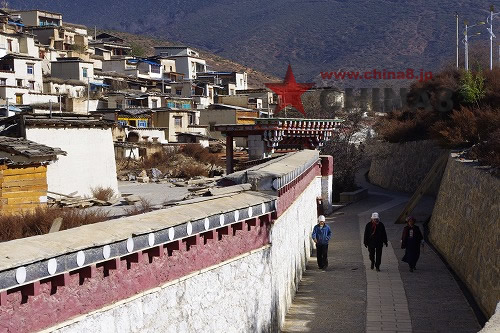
(466, 41)
(490, 31)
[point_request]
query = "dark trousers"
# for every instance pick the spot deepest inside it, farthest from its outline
(375, 254)
(322, 255)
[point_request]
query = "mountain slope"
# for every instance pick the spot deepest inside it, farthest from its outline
(256, 79)
(313, 35)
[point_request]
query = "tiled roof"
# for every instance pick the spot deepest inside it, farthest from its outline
(25, 148)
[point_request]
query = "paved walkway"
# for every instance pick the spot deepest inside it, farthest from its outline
(349, 297)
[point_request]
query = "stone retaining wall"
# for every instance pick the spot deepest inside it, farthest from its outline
(465, 229)
(403, 166)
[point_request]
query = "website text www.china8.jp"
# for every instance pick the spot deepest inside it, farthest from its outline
(409, 74)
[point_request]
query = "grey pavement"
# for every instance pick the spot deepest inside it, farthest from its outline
(349, 297)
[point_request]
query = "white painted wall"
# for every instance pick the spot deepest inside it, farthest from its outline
(90, 161)
(151, 133)
(250, 293)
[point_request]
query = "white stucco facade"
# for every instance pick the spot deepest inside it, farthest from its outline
(249, 293)
(90, 160)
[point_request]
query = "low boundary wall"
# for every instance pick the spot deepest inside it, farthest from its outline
(227, 263)
(464, 228)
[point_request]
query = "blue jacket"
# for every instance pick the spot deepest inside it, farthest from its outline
(322, 235)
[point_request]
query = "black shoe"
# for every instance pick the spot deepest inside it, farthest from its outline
(378, 269)
(372, 265)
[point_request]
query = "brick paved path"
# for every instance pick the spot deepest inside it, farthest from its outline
(349, 297)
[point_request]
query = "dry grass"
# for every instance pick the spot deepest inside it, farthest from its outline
(190, 161)
(39, 221)
(103, 193)
(143, 206)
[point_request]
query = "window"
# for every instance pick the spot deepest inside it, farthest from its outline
(191, 120)
(9, 43)
(31, 85)
(170, 68)
(212, 126)
(154, 103)
(155, 69)
(178, 92)
(178, 121)
(142, 123)
(3, 82)
(30, 69)
(19, 82)
(85, 72)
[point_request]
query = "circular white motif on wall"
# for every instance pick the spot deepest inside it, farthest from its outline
(171, 234)
(52, 266)
(236, 216)
(151, 239)
(130, 245)
(80, 258)
(263, 208)
(189, 228)
(207, 223)
(21, 275)
(106, 251)
(250, 211)
(221, 220)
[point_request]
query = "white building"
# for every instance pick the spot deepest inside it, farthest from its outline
(73, 69)
(187, 61)
(90, 159)
(39, 18)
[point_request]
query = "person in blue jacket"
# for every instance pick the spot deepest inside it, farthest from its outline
(321, 235)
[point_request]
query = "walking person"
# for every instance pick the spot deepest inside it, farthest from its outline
(375, 238)
(410, 241)
(321, 236)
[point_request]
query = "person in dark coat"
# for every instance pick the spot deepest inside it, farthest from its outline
(410, 241)
(321, 236)
(375, 238)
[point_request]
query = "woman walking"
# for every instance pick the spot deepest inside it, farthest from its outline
(410, 241)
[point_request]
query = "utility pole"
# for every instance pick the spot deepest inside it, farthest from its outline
(492, 35)
(456, 14)
(466, 48)
(88, 95)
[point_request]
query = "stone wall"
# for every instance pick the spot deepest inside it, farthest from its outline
(465, 229)
(403, 166)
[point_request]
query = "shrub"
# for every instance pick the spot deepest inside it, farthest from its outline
(39, 221)
(103, 193)
(404, 126)
(472, 87)
(475, 128)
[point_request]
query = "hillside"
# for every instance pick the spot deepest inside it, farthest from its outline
(256, 79)
(313, 35)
